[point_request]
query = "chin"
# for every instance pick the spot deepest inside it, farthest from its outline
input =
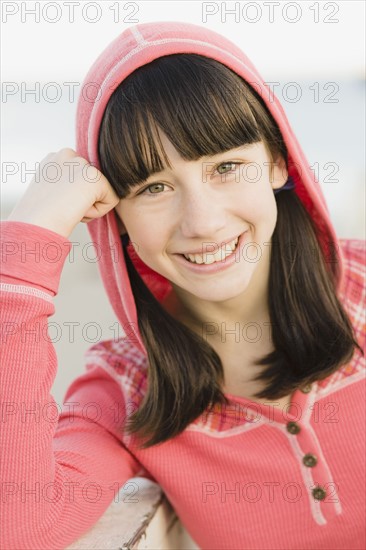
(220, 293)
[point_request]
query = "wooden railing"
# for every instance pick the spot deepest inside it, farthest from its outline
(136, 519)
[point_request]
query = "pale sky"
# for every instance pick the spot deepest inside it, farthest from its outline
(299, 39)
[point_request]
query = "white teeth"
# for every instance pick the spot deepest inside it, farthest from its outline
(211, 257)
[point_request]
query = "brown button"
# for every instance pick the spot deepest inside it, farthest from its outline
(306, 388)
(310, 460)
(319, 493)
(293, 428)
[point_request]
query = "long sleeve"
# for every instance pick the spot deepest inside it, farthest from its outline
(60, 470)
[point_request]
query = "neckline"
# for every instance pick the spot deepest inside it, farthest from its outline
(291, 413)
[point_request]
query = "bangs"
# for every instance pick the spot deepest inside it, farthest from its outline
(202, 106)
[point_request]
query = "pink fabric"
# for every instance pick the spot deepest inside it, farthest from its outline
(236, 477)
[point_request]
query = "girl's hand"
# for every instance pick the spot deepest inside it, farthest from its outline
(66, 190)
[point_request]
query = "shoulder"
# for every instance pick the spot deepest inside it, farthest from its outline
(123, 361)
(353, 290)
(354, 252)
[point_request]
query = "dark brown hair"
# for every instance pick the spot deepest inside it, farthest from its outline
(195, 99)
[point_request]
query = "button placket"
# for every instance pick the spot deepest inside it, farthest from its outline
(319, 493)
(308, 452)
(310, 460)
(303, 438)
(293, 428)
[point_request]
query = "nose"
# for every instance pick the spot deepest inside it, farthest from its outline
(203, 216)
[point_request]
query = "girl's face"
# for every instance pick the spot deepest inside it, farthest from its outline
(198, 206)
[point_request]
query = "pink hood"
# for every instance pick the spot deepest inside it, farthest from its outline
(134, 47)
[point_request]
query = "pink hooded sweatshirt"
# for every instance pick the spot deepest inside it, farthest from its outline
(247, 476)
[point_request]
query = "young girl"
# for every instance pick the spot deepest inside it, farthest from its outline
(238, 385)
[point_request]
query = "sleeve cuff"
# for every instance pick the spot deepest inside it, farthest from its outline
(32, 254)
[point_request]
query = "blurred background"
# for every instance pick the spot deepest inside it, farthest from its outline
(312, 51)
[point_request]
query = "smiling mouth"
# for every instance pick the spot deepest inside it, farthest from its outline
(212, 257)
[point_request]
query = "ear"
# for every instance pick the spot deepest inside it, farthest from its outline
(279, 174)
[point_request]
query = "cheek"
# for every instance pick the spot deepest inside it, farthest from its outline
(137, 228)
(261, 214)
(269, 214)
(151, 241)
(149, 233)
(258, 206)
